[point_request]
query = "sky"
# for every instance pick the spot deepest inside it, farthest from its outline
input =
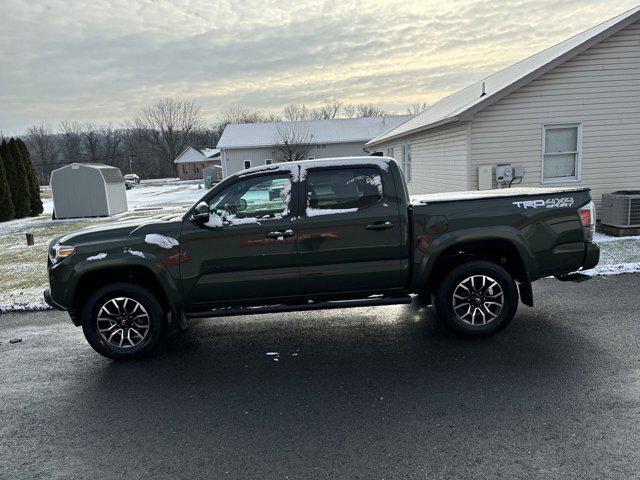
(102, 61)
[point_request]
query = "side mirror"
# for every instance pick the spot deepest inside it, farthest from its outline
(200, 214)
(241, 204)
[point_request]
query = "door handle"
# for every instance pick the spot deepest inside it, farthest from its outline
(379, 226)
(320, 236)
(278, 234)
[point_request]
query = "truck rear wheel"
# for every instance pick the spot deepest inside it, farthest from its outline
(123, 321)
(477, 299)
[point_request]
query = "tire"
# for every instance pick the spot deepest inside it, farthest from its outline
(480, 309)
(140, 318)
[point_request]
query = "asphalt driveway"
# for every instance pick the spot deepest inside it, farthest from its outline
(361, 393)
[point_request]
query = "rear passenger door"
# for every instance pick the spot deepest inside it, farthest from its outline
(350, 231)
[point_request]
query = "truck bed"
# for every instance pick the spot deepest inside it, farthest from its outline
(495, 193)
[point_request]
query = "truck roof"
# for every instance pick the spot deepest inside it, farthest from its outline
(495, 193)
(382, 162)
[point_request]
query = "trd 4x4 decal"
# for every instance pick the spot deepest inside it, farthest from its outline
(549, 203)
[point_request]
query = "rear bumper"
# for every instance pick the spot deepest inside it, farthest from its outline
(591, 257)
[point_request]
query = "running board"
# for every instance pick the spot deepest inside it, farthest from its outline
(280, 308)
(573, 277)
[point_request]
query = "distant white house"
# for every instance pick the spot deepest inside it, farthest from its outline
(193, 160)
(251, 144)
(569, 115)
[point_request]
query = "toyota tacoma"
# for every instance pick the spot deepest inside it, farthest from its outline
(320, 234)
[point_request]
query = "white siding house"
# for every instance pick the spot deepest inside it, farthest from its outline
(251, 144)
(569, 115)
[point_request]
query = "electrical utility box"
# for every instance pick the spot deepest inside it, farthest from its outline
(485, 177)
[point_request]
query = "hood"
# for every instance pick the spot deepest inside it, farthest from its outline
(111, 231)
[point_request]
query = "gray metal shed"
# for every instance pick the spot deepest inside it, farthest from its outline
(87, 190)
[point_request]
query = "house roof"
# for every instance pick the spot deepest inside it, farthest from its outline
(209, 153)
(462, 105)
(337, 130)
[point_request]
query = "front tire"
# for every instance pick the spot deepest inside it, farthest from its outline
(123, 321)
(477, 299)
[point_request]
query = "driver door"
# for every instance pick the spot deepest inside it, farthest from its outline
(247, 248)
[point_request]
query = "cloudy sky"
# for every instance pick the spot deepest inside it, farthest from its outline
(101, 61)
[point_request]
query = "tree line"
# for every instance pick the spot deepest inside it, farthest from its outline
(19, 188)
(148, 143)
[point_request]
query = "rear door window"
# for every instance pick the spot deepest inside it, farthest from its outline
(342, 190)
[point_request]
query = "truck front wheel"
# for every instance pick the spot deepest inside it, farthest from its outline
(477, 299)
(123, 321)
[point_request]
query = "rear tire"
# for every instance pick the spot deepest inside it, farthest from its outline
(123, 321)
(477, 299)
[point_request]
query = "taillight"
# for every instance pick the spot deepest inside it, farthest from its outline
(588, 220)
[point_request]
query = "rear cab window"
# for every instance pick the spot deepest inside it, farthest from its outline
(342, 190)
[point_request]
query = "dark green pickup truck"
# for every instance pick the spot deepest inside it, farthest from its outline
(320, 234)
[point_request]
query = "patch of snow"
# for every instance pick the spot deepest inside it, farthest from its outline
(134, 252)
(99, 256)
(24, 307)
(633, 267)
(161, 240)
(315, 212)
(214, 221)
(602, 238)
(231, 218)
(271, 354)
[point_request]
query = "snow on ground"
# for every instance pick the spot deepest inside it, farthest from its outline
(158, 194)
(23, 268)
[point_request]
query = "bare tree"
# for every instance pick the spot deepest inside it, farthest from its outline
(349, 110)
(330, 109)
(239, 114)
(168, 126)
(296, 113)
(91, 140)
(43, 149)
(111, 143)
(292, 141)
(71, 134)
(370, 110)
(416, 108)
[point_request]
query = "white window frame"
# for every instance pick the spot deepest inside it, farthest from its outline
(407, 163)
(245, 164)
(389, 152)
(578, 152)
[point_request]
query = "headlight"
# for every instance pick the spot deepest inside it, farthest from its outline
(59, 252)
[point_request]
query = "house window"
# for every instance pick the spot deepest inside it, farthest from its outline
(389, 152)
(311, 158)
(562, 153)
(184, 168)
(268, 161)
(406, 162)
(247, 164)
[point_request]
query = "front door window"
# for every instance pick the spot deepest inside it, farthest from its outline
(252, 201)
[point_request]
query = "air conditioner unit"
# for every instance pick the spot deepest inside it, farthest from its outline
(621, 209)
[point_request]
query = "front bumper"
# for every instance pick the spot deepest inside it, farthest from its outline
(47, 298)
(591, 256)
